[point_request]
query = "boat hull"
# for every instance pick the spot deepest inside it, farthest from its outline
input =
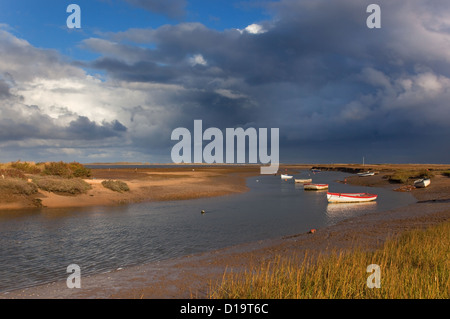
(303, 180)
(283, 176)
(315, 187)
(366, 174)
(350, 197)
(422, 183)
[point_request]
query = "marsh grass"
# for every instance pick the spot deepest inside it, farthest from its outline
(415, 265)
(12, 173)
(67, 170)
(117, 186)
(17, 186)
(59, 185)
(26, 167)
(404, 176)
(62, 169)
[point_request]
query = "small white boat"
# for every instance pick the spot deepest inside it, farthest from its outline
(422, 183)
(308, 180)
(350, 197)
(366, 174)
(285, 176)
(315, 187)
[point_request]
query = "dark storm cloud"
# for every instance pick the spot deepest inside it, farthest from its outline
(171, 8)
(85, 129)
(141, 71)
(4, 89)
(318, 73)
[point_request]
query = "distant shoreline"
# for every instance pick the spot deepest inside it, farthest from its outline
(163, 182)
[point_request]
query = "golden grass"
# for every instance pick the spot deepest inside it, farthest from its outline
(413, 266)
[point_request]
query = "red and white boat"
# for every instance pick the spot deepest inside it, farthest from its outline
(314, 187)
(350, 197)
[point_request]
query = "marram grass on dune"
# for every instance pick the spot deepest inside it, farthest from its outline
(414, 265)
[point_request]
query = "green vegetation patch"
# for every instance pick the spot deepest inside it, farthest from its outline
(17, 186)
(72, 186)
(26, 167)
(117, 186)
(67, 170)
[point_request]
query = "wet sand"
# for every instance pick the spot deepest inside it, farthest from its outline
(192, 276)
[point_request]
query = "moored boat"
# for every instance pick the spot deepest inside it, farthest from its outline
(366, 174)
(421, 183)
(350, 197)
(285, 176)
(315, 187)
(308, 180)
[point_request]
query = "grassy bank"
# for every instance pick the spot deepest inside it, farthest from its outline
(27, 178)
(405, 176)
(414, 265)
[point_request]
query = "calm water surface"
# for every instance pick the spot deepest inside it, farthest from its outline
(37, 246)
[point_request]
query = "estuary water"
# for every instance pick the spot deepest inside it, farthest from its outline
(36, 246)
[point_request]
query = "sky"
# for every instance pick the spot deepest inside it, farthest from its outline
(116, 88)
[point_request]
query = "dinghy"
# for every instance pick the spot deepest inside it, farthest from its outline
(366, 174)
(285, 176)
(309, 180)
(315, 187)
(422, 183)
(350, 197)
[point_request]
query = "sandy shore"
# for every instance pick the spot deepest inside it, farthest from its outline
(146, 184)
(191, 276)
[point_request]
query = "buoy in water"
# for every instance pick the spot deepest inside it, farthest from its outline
(202, 211)
(312, 231)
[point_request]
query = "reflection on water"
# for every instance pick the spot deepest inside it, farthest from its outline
(37, 246)
(346, 210)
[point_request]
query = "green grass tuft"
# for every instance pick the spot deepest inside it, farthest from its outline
(17, 186)
(117, 186)
(66, 170)
(60, 185)
(26, 167)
